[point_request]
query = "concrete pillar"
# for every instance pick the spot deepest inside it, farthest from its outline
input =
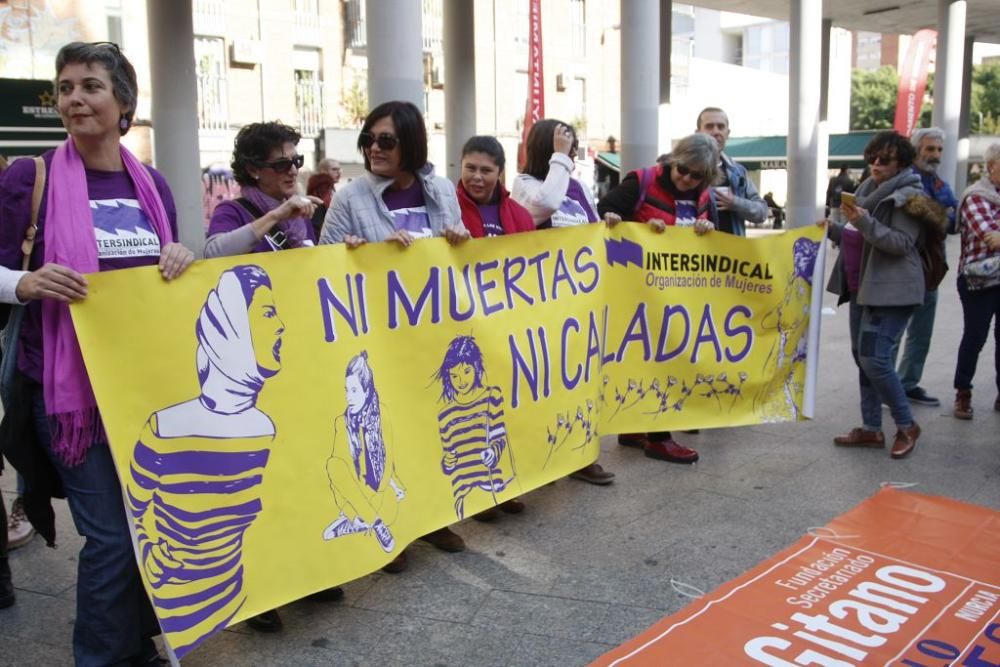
(666, 47)
(823, 126)
(948, 81)
(640, 83)
(962, 177)
(175, 112)
(395, 52)
(805, 194)
(460, 84)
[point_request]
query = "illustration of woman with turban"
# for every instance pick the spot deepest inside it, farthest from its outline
(785, 367)
(477, 456)
(361, 468)
(194, 487)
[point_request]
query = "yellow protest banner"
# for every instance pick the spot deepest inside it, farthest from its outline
(289, 421)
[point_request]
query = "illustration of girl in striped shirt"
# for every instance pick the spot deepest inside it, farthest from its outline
(194, 488)
(477, 456)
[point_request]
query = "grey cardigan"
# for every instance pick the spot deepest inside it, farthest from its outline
(358, 208)
(891, 271)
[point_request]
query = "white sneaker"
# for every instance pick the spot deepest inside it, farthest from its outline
(341, 526)
(384, 536)
(19, 529)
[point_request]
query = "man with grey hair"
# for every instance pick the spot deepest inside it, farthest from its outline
(734, 194)
(329, 166)
(929, 144)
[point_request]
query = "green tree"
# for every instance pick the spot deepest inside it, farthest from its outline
(873, 98)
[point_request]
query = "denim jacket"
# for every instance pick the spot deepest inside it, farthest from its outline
(747, 203)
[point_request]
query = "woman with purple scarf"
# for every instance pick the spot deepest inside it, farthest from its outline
(270, 214)
(108, 212)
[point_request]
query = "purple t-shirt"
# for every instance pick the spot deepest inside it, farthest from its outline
(230, 215)
(408, 209)
(125, 237)
(575, 208)
(490, 213)
(850, 247)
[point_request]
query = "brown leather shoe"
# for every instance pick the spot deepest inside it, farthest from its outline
(445, 540)
(963, 404)
(859, 437)
(488, 515)
(512, 506)
(397, 564)
(594, 474)
(906, 440)
(633, 440)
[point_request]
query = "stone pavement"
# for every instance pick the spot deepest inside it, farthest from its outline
(585, 568)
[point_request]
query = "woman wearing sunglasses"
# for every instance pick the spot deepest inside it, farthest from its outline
(270, 214)
(399, 198)
(673, 193)
(882, 277)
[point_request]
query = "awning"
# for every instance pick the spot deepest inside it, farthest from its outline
(610, 160)
(771, 152)
(29, 120)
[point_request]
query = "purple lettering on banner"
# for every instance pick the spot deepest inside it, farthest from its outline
(546, 364)
(537, 262)
(485, 287)
(510, 281)
(743, 330)
(360, 290)
(328, 300)
(414, 311)
(453, 297)
(585, 267)
(561, 274)
(706, 334)
(593, 344)
(605, 357)
(520, 368)
(637, 331)
(570, 323)
(668, 313)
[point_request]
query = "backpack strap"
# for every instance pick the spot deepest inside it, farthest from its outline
(250, 207)
(645, 177)
(28, 244)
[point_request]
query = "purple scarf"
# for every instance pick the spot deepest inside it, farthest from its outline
(298, 230)
(70, 241)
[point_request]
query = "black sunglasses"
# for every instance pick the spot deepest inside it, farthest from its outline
(111, 45)
(883, 160)
(684, 171)
(284, 165)
(384, 140)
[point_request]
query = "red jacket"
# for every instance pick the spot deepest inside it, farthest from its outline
(658, 202)
(513, 217)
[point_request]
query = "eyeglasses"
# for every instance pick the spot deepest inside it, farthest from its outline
(685, 171)
(111, 45)
(385, 140)
(882, 160)
(284, 165)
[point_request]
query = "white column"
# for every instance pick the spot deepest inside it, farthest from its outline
(175, 112)
(395, 52)
(962, 177)
(640, 83)
(460, 81)
(804, 204)
(664, 134)
(948, 81)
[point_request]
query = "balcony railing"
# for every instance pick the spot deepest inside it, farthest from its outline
(354, 25)
(309, 107)
(213, 103)
(209, 17)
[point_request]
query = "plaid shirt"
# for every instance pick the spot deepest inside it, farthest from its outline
(979, 217)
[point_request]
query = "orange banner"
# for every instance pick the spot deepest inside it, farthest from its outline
(902, 579)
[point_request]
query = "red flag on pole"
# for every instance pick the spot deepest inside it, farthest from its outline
(534, 108)
(913, 81)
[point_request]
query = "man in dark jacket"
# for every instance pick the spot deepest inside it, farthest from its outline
(840, 183)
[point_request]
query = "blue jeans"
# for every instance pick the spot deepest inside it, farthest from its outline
(978, 308)
(918, 341)
(875, 330)
(114, 619)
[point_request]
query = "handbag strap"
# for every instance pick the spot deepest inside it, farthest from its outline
(36, 202)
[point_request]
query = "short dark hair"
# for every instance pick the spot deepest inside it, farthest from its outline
(710, 110)
(410, 130)
(254, 143)
(539, 147)
(893, 144)
(487, 144)
(124, 84)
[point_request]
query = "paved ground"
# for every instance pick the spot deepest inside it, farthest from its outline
(585, 568)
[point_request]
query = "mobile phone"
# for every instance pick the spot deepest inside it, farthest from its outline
(848, 197)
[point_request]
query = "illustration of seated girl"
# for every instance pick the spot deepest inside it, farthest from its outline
(477, 456)
(779, 399)
(194, 487)
(361, 468)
